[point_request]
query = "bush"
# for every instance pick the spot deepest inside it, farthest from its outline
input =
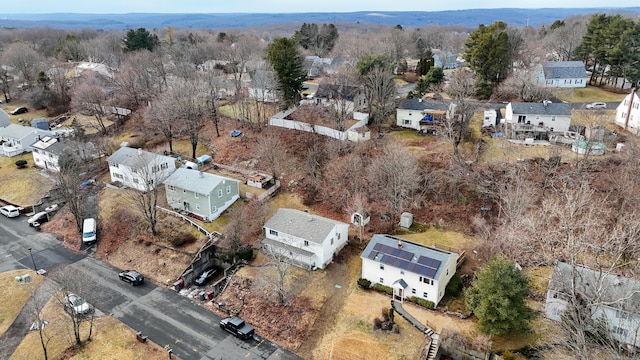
(21, 164)
(422, 302)
(364, 283)
(245, 253)
(183, 239)
(385, 289)
(454, 287)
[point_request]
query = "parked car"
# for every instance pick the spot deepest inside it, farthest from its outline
(19, 110)
(206, 276)
(10, 211)
(596, 105)
(41, 217)
(237, 327)
(51, 208)
(132, 277)
(76, 305)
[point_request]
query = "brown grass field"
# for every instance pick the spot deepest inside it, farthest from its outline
(14, 295)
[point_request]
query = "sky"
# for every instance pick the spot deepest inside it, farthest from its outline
(282, 6)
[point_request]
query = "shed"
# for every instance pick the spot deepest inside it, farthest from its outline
(203, 159)
(406, 220)
(40, 123)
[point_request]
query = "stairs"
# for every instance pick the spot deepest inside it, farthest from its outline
(435, 346)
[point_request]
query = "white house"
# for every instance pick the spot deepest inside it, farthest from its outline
(628, 113)
(414, 113)
(16, 139)
(138, 169)
(615, 299)
(311, 241)
(536, 120)
(562, 74)
(47, 151)
(203, 194)
(410, 269)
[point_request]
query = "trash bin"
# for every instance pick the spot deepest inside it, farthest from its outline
(209, 295)
(177, 286)
(202, 293)
(26, 278)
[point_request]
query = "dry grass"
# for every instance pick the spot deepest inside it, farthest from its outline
(434, 236)
(544, 332)
(18, 184)
(14, 295)
(110, 340)
(501, 150)
(540, 277)
(588, 94)
(232, 110)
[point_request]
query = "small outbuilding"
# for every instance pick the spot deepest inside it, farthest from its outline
(41, 123)
(406, 220)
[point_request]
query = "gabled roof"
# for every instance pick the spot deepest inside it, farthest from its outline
(421, 104)
(617, 291)
(49, 144)
(564, 70)
(302, 224)
(132, 157)
(541, 108)
(196, 181)
(336, 91)
(399, 253)
(4, 118)
(15, 131)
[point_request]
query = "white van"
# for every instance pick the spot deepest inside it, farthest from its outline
(89, 230)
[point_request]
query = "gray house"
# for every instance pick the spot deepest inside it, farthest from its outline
(202, 194)
(562, 74)
(4, 119)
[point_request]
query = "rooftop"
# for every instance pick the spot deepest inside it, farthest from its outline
(196, 181)
(301, 224)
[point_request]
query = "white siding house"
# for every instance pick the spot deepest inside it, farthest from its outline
(562, 74)
(139, 169)
(628, 113)
(536, 120)
(311, 241)
(16, 139)
(413, 113)
(47, 151)
(410, 269)
(615, 299)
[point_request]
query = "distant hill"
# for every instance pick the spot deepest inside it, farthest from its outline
(472, 18)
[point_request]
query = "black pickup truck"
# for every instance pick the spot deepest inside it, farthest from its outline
(237, 327)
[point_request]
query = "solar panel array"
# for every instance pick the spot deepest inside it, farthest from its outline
(400, 258)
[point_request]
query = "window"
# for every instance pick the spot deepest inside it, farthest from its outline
(171, 188)
(220, 193)
(381, 281)
(214, 209)
(184, 190)
(114, 165)
(381, 266)
(553, 118)
(197, 206)
(413, 291)
(155, 168)
(551, 129)
(196, 195)
(338, 234)
(426, 295)
(426, 280)
(622, 314)
(620, 330)
(118, 176)
(401, 272)
(135, 180)
(406, 121)
(447, 271)
(228, 189)
(273, 232)
(164, 166)
(306, 243)
(331, 241)
(150, 182)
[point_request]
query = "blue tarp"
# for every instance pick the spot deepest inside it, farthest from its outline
(236, 133)
(203, 159)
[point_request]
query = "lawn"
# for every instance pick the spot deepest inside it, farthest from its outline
(14, 295)
(587, 94)
(501, 150)
(23, 187)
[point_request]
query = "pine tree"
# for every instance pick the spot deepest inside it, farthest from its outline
(286, 61)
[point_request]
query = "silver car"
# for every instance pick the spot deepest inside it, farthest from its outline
(76, 305)
(596, 105)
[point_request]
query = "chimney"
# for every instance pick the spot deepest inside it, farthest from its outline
(626, 120)
(201, 174)
(399, 244)
(139, 151)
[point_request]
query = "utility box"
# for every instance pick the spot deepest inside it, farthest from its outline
(406, 220)
(26, 278)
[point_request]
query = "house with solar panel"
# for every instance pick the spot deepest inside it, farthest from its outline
(309, 241)
(410, 269)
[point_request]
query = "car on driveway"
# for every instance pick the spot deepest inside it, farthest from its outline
(19, 110)
(132, 277)
(76, 305)
(41, 217)
(206, 276)
(596, 105)
(10, 211)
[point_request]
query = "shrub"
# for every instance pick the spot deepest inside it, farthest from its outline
(245, 253)
(364, 283)
(183, 239)
(385, 289)
(177, 242)
(21, 164)
(422, 302)
(454, 287)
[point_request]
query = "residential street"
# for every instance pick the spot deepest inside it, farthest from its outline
(161, 314)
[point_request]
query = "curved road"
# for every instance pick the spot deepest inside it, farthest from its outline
(161, 314)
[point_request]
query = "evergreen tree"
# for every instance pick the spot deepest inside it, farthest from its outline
(425, 63)
(286, 61)
(497, 298)
(488, 52)
(140, 39)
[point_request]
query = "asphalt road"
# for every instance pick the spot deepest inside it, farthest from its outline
(165, 317)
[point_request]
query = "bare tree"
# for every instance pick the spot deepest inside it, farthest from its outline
(150, 172)
(394, 177)
(68, 180)
(461, 88)
(380, 92)
(280, 264)
(106, 49)
(90, 96)
(562, 40)
(160, 116)
(137, 80)
(38, 297)
(24, 59)
(270, 147)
